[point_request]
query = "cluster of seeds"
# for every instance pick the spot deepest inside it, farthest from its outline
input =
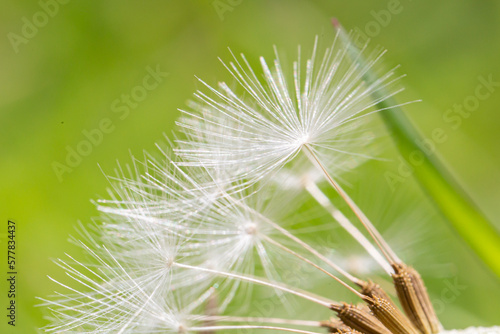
(182, 235)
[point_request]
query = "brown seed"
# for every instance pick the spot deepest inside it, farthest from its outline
(390, 316)
(385, 310)
(337, 326)
(414, 298)
(372, 289)
(359, 320)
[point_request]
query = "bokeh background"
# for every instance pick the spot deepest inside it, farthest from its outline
(68, 74)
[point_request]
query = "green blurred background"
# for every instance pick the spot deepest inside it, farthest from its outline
(63, 79)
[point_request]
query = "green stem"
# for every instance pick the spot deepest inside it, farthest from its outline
(435, 180)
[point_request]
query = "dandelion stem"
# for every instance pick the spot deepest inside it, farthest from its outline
(288, 250)
(377, 237)
(222, 318)
(344, 222)
(294, 291)
(220, 328)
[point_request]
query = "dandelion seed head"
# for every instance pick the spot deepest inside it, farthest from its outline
(303, 140)
(182, 329)
(169, 262)
(250, 228)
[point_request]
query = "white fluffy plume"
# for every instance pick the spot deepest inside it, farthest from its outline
(263, 123)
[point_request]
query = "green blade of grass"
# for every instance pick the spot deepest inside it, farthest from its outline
(435, 180)
(452, 201)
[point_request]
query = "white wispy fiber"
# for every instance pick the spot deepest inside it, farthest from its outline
(259, 126)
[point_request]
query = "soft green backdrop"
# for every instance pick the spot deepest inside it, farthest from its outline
(67, 73)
